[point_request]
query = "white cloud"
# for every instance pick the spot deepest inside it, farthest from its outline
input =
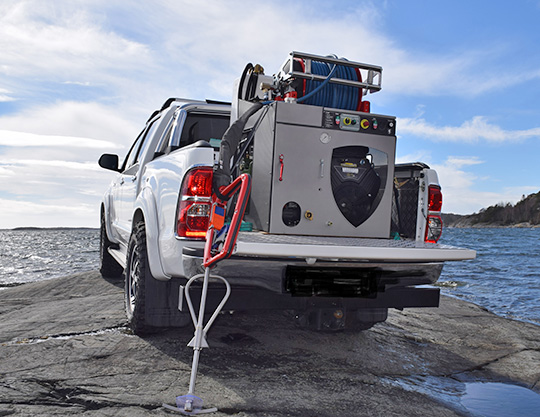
(229, 35)
(5, 96)
(70, 123)
(192, 48)
(34, 163)
(84, 84)
(53, 179)
(461, 74)
(69, 213)
(478, 128)
(460, 161)
(10, 206)
(24, 139)
(6, 172)
(59, 39)
(419, 156)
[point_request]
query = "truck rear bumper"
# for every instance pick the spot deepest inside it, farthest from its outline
(300, 272)
(246, 299)
(269, 284)
(271, 274)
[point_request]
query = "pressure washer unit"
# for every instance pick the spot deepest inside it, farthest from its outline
(321, 163)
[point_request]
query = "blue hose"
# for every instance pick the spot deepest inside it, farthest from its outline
(321, 93)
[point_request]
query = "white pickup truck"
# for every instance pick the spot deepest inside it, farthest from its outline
(335, 232)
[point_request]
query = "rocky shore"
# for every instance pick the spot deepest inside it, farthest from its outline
(65, 350)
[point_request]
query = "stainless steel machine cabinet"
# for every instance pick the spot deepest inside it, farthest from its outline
(322, 172)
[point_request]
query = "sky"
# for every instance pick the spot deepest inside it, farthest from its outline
(79, 78)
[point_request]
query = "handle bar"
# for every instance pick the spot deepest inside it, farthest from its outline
(242, 186)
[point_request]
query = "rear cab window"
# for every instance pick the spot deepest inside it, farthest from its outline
(209, 127)
(188, 127)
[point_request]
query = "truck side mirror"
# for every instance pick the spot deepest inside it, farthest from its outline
(109, 161)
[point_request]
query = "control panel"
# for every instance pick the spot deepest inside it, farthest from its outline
(359, 122)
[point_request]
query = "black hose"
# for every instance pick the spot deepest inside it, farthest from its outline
(229, 144)
(248, 67)
(251, 86)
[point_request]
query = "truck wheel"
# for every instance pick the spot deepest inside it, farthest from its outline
(135, 288)
(109, 267)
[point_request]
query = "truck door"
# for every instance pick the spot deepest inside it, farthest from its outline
(130, 180)
(123, 187)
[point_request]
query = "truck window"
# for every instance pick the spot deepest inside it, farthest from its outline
(133, 151)
(201, 126)
(136, 149)
(166, 139)
(147, 139)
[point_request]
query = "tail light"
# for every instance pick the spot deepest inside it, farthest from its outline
(195, 204)
(435, 198)
(434, 223)
(434, 228)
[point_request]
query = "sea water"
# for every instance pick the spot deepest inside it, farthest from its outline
(36, 255)
(504, 278)
(474, 398)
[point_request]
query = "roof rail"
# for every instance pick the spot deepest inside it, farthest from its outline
(209, 101)
(183, 100)
(172, 100)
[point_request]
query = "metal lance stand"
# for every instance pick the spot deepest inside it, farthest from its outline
(190, 404)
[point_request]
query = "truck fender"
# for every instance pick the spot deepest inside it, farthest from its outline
(106, 212)
(146, 204)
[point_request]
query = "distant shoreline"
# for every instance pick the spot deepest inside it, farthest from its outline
(476, 221)
(492, 226)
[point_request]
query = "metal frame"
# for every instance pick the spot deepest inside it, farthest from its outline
(374, 72)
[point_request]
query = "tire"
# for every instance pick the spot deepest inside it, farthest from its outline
(135, 281)
(109, 268)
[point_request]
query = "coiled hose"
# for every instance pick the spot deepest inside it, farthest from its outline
(324, 94)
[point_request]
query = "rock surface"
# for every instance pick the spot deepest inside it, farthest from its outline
(65, 350)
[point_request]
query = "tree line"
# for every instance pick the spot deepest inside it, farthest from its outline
(527, 210)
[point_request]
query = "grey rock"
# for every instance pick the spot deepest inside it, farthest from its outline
(65, 350)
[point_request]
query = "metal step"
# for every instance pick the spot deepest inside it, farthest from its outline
(118, 256)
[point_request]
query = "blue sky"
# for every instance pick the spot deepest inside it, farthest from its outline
(80, 78)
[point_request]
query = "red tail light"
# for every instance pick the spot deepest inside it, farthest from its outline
(195, 204)
(434, 224)
(435, 198)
